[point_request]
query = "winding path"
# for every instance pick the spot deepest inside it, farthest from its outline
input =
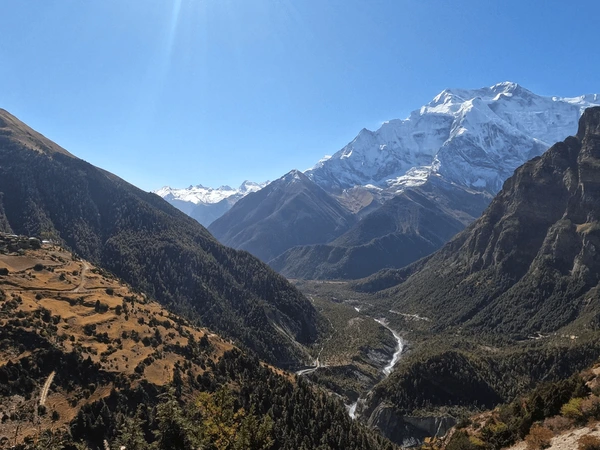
(84, 271)
(317, 363)
(310, 369)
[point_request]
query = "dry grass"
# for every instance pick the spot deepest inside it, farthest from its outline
(21, 263)
(565, 441)
(56, 291)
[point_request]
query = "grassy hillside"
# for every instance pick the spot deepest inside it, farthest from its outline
(85, 359)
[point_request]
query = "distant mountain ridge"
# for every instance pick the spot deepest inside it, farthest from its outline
(287, 212)
(474, 138)
(455, 153)
(207, 204)
(404, 228)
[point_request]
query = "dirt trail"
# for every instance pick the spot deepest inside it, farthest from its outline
(46, 388)
(84, 271)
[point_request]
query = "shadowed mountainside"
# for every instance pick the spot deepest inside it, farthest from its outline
(404, 229)
(290, 211)
(531, 263)
(47, 192)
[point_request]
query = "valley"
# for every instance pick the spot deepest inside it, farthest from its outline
(421, 272)
(357, 355)
(409, 352)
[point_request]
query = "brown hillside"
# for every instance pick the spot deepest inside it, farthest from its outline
(50, 299)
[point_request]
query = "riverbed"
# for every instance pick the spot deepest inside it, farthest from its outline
(387, 370)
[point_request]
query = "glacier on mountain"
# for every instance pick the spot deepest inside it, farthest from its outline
(472, 138)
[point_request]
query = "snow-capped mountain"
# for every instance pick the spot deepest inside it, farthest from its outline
(474, 138)
(409, 185)
(207, 204)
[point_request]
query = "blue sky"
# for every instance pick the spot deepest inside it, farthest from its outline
(218, 91)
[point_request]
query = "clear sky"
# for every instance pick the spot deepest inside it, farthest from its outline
(180, 92)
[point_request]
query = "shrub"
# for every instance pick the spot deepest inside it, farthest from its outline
(538, 438)
(476, 442)
(460, 441)
(100, 307)
(572, 409)
(590, 407)
(38, 267)
(588, 443)
(557, 424)
(497, 434)
(464, 422)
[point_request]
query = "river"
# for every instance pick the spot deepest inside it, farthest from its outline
(399, 347)
(387, 369)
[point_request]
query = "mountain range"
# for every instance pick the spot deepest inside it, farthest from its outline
(530, 264)
(408, 187)
(289, 211)
(509, 301)
(473, 138)
(206, 204)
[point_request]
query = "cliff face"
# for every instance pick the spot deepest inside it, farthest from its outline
(531, 263)
(408, 431)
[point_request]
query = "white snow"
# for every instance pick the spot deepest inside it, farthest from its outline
(474, 138)
(206, 195)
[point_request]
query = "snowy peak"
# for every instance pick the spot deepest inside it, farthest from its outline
(206, 204)
(474, 138)
(250, 186)
(293, 176)
(199, 194)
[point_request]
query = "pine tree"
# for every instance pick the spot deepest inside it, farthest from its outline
(174, 430)
(131, 435)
